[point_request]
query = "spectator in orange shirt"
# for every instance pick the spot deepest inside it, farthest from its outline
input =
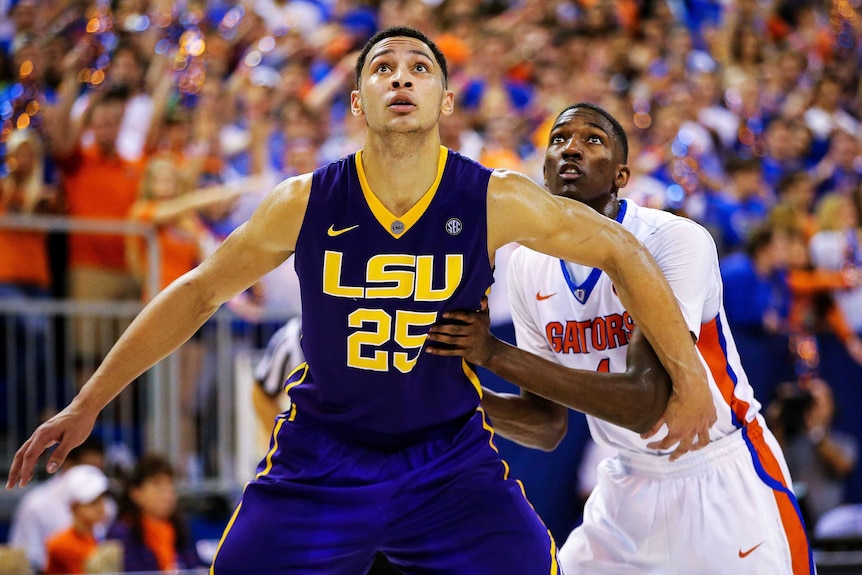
(23, 254)
(168, 202)
(24, 274)
(98, 184)
(153, 535)
(813, 308)
(85, 488)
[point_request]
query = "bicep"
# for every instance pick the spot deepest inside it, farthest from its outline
(521, 211)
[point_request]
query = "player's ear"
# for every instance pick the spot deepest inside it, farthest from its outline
(356, 103)
(448, 104)
(622, 177)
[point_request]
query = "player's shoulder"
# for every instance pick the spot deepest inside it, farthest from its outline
(504, 182)
(291, 190)
(646, 222)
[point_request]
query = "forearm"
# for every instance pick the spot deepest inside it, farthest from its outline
(165, 324)
(169, 210)
(524, 420)
(645, 292)
(619, 398)
(62, 133)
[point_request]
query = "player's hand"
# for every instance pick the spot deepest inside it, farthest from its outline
(67, 430)
(463, 333)
(688, 419)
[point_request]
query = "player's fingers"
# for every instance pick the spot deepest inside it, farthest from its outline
(444, 337)
(447, 350)
(702, 438)
(15, 469)
(683, 448)
(667, 442)
(459, 315)
(58, 457)
(28, 455)
(443, 330)
(654, 429)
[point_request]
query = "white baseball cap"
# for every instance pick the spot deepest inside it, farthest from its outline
(84, 484)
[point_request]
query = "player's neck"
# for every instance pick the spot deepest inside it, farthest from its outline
(400, 168)
(607, 206)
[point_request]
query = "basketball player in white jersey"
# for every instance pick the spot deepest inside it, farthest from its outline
(726, 508)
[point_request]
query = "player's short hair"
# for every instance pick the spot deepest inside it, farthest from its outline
(619, 132)
(402, 31)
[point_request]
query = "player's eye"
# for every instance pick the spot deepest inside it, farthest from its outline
(421, 68)
(382, 68)
(595, 140)
(557, 139)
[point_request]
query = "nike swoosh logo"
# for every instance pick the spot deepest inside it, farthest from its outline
(332, 232)
(541, 297)
(744, 554)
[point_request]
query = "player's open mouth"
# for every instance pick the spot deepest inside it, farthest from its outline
(570, 172)
(401, 103)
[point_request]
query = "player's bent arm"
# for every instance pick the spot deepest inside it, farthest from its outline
(252, 250)
(634, 399)
(526, 419)
(521, 211)
(171, 318)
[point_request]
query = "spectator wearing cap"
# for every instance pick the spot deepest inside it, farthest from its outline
(38, 516)
(85, 488)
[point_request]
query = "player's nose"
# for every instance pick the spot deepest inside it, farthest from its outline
(573, 148)
(401, 77)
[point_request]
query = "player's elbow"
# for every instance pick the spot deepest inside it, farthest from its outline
(650, 394)
(554, 429)
(197, 293)
(554, 438)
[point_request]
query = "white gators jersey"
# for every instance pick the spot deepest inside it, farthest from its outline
(585, 326)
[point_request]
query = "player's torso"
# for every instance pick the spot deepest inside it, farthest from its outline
(584, 325)
(372, 284)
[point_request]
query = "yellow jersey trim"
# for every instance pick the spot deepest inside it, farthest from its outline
(471, 375)
(224, 535)
(301, 367)
(383, 215)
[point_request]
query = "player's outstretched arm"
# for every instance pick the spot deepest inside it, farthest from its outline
(634, 399)
(521, 211)
(171, 318)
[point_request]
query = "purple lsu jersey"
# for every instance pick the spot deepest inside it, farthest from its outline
(372, 284)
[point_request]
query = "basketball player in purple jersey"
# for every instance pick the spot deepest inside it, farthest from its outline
(384, 447)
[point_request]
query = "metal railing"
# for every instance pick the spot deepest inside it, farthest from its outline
(184, 407)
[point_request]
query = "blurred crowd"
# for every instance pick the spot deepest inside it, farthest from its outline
(80, 521)
(179, 116)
